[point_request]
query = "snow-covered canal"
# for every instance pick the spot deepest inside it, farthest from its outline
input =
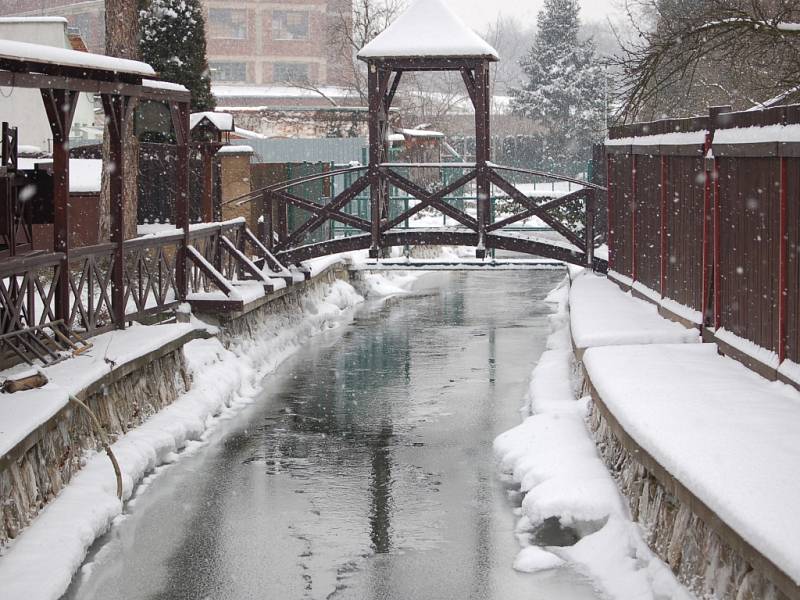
(365, 473)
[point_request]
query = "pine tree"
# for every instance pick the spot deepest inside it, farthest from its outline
(173, 41)
(564, 91)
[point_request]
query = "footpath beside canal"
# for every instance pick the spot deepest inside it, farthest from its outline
(698, 445)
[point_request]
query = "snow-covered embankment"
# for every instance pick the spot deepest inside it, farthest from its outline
(554, 459)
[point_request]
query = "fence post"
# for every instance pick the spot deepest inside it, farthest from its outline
(179, 111)
(60, 108)
(591, 207)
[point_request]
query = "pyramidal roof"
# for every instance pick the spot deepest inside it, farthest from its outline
(428, 28)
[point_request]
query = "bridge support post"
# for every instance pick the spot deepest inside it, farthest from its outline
(379, 102)
(482, 152)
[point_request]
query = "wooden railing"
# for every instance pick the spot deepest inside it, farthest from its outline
(217, 255)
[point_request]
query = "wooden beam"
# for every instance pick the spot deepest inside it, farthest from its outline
(428, 199)
(416, 191)
(517, 195)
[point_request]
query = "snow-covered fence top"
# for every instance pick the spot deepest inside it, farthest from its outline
(428, 28)
(37, 53)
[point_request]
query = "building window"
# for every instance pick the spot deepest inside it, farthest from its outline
(226, 23)
(290, 72)
(289, 25)
(228, 71)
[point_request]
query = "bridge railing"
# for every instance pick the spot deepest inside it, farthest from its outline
(521, 200)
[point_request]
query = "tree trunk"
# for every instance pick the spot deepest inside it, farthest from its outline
(122, 40)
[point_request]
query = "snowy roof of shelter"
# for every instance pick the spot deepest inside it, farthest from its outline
(236, 149)
(71, 58)
(164, 85)
(428, 28)
(33, 20)
(428, 133)
(221, 120)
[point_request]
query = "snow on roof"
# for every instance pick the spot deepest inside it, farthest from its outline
(236, 149)
(428, 28)
(84, 173)
(421, 133)
(221, 120)
(71, 58)
(163, 85)
(4, 20)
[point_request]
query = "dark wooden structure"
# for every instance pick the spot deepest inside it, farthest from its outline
(103, 286)
(704, 219)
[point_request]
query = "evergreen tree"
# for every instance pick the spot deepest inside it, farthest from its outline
(564, 91)
(173, 41)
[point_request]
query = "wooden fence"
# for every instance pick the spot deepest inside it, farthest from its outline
(704, 220)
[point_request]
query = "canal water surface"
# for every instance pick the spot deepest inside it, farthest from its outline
(364, 472)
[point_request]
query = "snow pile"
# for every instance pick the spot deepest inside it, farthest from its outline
(553, 458)
(724, 432)
(37, 53)
(223, 380)
(532, 559)
(603, 315)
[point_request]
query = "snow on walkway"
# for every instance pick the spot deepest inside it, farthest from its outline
(724, 432)
(604, 315)
(553, 458)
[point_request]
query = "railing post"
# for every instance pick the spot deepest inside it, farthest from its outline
(117, 114)
(591, 208)
(179, 111)
(267, 231)
(60, 108)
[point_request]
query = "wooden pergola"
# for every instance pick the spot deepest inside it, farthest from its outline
(61, 75)
(403, 47)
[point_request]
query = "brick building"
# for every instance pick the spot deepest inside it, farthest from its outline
(252, 42)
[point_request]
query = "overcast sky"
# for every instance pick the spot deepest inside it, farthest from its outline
(478, 13)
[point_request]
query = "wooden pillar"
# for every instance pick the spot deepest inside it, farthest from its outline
(179, 111)
(117, 111)
(482, 151)
(207, 206)
(60, 108)
(610, 213)
(377, 82)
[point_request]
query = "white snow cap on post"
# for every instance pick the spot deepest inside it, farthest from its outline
(428, 28)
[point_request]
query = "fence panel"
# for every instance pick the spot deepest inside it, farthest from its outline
(620, 213)
(647, 222)
(685, 219)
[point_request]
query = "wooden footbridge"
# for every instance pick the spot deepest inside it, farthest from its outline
(388, 57)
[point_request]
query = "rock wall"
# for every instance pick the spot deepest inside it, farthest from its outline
(36, 474)
(698, 556)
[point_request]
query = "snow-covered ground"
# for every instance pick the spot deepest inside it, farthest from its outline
(603, 315)
(553, 458)
(224, 381)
